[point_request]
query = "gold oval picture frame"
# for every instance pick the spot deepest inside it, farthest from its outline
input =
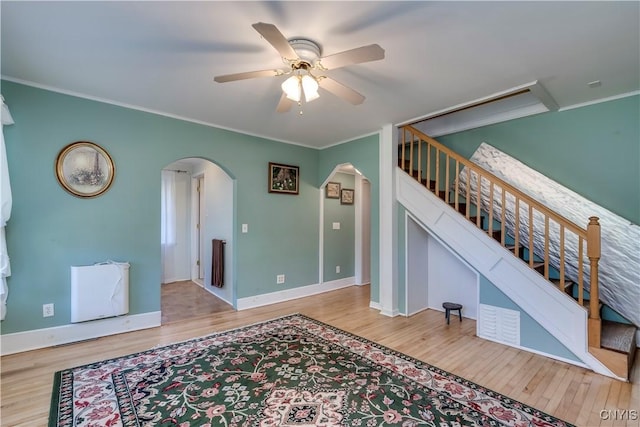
(84, 169)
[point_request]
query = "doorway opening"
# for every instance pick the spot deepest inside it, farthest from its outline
(345, 227)
(197, 207)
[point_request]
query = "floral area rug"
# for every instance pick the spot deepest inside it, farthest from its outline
(290, 372)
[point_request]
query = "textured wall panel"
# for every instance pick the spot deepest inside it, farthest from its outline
(620, 261)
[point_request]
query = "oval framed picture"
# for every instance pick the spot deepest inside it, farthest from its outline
(84, 169)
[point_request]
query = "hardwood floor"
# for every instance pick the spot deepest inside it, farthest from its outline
(565, 391)
(186, 300)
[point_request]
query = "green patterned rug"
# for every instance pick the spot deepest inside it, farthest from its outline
(292, 371)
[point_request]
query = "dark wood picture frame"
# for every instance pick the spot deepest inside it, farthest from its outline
(332, 190)
(346, 196)
(283, 178)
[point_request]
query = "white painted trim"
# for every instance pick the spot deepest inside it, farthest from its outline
(357, 211)
(470, 103)
(58, 335)
(406, 266)
(538, 352)
(355, 138)
(217, 296)
(388, 155)
(555, 311)
(390, 313)
(375, 305)
(598, 101)
(321, 234)
(193, 258)
(461, 125)
(545, 98)
(405, 314)
(293, 293)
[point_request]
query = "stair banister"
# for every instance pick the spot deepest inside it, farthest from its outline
(478, 170)
(589, 235)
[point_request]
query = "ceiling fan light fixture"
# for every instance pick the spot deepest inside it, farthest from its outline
(301, 82)
(292, 88)
(310, 88)
(301, 57)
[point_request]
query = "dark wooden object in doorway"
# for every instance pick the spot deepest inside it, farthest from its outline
(217, 263)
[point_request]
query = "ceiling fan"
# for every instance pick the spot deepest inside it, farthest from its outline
(305, 67)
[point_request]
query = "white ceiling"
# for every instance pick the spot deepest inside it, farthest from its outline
(162, 57)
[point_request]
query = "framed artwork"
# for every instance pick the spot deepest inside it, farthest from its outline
(333, 190)
(346, 196)
(283, 178)
(84, 169)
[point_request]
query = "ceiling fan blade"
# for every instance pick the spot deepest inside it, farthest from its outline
(247, 75)
(372, 52)
(341, 91)
(285, 104)
(271, 34)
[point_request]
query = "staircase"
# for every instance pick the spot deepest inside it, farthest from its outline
(564, 254)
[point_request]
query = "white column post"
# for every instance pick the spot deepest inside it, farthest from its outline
(388, 221)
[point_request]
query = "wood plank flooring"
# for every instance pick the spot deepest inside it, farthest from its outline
(565, 391)
(186, 300)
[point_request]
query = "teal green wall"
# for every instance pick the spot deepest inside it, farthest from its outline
(50, 230)
(532, 335)
(593, 150)
(363, 154)
(339, 245)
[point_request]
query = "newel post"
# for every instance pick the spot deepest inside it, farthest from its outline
(593, 252)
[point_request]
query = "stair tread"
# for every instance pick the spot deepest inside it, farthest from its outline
(618, 337)
(567, 283)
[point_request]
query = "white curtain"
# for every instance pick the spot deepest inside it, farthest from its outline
(5, 201)
(168, 223)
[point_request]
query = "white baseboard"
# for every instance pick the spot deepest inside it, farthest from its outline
(65, 334)
(293, 293)
(217, 296)
(390, 313)
(375, 305)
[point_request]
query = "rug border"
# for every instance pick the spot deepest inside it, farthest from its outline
(54, 408)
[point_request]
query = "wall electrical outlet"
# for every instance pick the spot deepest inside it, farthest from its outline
(280, 279)
(337, 269)
(47, 310)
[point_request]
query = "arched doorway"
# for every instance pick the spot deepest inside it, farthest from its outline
(345, 227)
(197, 207)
